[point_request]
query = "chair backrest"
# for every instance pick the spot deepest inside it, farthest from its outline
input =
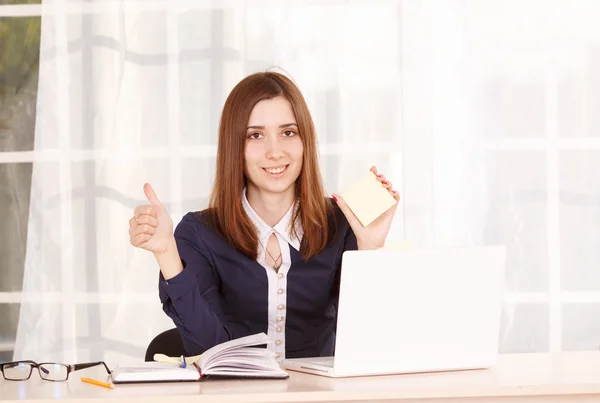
(168, 343)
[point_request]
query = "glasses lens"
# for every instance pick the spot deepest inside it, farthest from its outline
(17, 371)
(53, 372)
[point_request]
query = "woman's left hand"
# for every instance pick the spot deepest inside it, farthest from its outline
(373, 235)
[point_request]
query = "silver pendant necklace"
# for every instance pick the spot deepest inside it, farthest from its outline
(276, 262)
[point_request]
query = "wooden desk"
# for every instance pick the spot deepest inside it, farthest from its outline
(561, 377)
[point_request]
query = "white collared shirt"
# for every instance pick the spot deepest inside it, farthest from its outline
(277, 280)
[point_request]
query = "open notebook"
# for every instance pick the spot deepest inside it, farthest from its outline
(239, 358)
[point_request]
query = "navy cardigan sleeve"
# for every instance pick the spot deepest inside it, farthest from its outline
(192, 297)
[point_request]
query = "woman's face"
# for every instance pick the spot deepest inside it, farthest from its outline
(273, 152)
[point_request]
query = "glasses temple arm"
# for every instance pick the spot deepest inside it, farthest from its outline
(77, 367)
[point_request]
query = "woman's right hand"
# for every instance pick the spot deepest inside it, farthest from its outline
(151, 227)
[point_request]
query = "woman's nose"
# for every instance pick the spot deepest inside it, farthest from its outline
(273, 147)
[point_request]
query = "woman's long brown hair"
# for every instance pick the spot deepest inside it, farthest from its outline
(226, 213)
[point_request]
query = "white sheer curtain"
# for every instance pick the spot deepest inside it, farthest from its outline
(482, 113)
(500, 130)
(132, 92)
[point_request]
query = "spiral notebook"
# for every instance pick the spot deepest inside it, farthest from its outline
(238, 358)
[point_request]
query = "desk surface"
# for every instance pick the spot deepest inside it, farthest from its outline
(522, 377)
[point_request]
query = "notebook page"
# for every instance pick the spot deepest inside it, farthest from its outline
(247, 341)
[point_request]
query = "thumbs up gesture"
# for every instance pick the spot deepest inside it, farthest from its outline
(151, 228)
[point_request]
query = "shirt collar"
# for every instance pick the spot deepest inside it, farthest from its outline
(283, 227)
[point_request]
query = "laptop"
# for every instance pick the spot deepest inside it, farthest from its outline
(411, 311)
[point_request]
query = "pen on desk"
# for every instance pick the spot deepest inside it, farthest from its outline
(98, 383)
(183, 363)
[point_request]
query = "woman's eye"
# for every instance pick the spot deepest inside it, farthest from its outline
(254, 136)
(289, 133)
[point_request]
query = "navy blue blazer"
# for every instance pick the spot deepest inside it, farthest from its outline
(222, 294)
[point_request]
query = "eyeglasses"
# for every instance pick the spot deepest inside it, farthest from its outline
(49, 371)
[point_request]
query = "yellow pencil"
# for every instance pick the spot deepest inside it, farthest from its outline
(95, 382)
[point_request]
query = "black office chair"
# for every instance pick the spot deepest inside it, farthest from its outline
(168, 343)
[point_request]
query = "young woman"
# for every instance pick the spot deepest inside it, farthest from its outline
(265, 256)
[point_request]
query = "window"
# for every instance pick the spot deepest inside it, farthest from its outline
(19, 59)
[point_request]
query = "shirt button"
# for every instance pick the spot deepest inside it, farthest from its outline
(280, 275)
(280, 307)
(280, 319)
(280, 291)
(278, 342)
(278, 329)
